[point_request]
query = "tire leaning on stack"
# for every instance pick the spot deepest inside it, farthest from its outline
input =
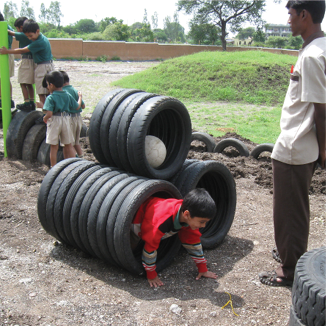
(122, 120)
(216, 178)
(91, 207)
(309, 289)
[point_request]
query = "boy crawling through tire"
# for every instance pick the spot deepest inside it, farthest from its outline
(159, 218)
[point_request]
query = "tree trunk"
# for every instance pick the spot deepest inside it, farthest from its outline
(223, 36)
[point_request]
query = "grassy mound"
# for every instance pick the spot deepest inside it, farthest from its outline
(250, 76)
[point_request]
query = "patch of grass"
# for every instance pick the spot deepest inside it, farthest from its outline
(250, 76)
(115, 58)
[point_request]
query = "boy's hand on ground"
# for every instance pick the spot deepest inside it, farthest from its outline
(155, 282)
(207, 274)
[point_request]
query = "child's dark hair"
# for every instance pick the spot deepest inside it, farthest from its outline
(30, 26)
(315, 8)
(20, 21)
(55, 77)
(1, 17)
(65, 77)
(199, 203)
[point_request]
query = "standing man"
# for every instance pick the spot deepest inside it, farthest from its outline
(302, 142)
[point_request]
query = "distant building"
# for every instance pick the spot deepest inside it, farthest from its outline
(277, 30)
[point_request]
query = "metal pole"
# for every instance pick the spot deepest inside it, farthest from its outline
(5, 84)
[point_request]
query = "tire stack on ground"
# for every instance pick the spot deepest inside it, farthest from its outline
(309, 290)
(91, 206)
(26, 138)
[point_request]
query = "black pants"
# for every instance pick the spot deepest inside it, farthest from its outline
(291, 213)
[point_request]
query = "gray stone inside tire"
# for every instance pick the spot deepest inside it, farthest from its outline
(309, 287)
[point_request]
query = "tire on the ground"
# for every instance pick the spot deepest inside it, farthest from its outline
(95, 124)
(43, 154)
(129, 259)
(309, 287)
(46, 187)
(32, 142)
(207, 139)
(294, 319)
(84, 131)
(266, 147)
(216, 178)
(232, 142)
(172, 123)
(17, 130)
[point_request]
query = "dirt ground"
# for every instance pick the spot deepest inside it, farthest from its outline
(43, 282)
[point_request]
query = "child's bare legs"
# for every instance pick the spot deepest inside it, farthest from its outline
(69, 151)
(53, 154)
(28, 92)
(78, 149)
(42, 100)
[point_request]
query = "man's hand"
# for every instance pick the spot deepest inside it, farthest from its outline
(155, 282)
(207, 274)
(3, 50)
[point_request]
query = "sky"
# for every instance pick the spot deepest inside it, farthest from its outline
(131, 11)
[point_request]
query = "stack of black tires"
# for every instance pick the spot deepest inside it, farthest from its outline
(91, 205)
(26, 138)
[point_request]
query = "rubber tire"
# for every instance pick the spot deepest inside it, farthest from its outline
(95, 124)
(61, 196)
(106, 193)
(46, 187)
(207, 139)
(69, 201)
(168, 247)
(43, 154)
(233, 142)
(219, 182)
(53, 193)
(76, 205)
(177, 143)
(294, 319)
(119, 128)
(309, 287)
(266, 147)
(32, 142)
(105, 126)
(83, 131)
(17, 131)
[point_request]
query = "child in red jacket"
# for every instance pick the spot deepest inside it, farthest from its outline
(159, 218)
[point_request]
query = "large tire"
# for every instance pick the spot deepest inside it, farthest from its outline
(77, 202)
(207, 139)
(112, 107)
(32, 142)
(129, 259)
(119, 128)
(309, 287)
(46, 187)
(294, 319)
(62, 192)
(267, 147)
(43, 154)
(172, 125)
(17, 131)
(219, 182)
(233, 142)
(69, 201)
(95, 124)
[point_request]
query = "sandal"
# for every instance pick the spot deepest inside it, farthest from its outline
(271, 279)
(276, 255)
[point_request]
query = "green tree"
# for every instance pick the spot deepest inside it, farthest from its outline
(141, 32)
(54, 13)
(221, 13)
(207, 34)
(117, 32)
(244, 33)
(295, 42)
(155, 20)
(259, 36)
(173, 30)
(278, 42)
(26, 10)
(160, 36)
(43, 13)
(10, 10)
(85, 26)
(106, 22)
